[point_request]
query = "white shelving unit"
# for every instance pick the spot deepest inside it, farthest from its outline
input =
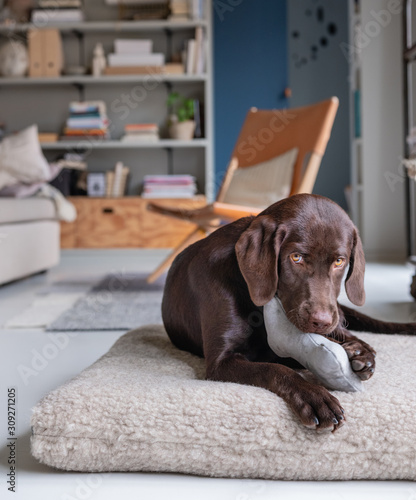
(102, 80)
(355, 117)
(129, 98)
(110, 26)
(162, 143)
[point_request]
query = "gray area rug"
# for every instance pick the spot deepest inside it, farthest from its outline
(117, 302)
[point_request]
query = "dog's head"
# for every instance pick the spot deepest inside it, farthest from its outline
(299, 249)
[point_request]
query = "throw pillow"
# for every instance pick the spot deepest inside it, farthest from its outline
(262, 184)
(22, 160)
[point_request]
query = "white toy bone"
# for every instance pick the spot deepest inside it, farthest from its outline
(327, 360)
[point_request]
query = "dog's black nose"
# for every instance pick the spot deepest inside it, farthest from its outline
(320, 321)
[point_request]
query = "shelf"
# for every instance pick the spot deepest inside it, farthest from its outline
(87, 144)
(410, 53)
(102, 80)
(110, 26)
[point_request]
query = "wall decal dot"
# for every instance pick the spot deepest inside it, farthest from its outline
(332, 29)
(320, 14)
(295, 34)
(323, 41)
(314, 48)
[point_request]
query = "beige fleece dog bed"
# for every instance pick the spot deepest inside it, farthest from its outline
(145, 406)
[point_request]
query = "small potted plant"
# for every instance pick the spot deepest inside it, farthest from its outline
(181, 117)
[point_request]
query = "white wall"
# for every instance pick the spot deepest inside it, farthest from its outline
(383, 228)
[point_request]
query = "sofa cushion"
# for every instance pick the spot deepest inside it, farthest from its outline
(145, 406)
(27, 248)
(22, 159)
(14, 210)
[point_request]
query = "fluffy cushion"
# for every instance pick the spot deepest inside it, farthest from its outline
(22, 160)
(144, 406)
(264, 183)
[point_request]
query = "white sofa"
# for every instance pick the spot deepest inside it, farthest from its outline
(29, 237)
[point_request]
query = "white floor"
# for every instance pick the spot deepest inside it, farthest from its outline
(387, 297)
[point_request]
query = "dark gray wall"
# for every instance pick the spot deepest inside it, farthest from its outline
(318, 70)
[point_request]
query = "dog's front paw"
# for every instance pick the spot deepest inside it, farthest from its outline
(362, 358)
(317, 408)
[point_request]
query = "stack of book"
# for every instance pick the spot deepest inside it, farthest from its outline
(87, 120)
(58, 11)
(196, 53)
(116, 181)
(141, 132)
(169, 186)
(134, 56)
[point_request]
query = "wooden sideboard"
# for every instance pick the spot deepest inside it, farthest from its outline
(125, 223)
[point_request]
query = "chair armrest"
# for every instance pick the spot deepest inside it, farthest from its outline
(233, 212)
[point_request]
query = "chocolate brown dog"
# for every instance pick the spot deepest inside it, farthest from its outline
(299, 249)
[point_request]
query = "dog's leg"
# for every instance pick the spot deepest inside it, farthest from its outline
(359, 322)
(313, 404)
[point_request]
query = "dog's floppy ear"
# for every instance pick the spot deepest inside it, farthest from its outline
(354, 283)
(257, 252)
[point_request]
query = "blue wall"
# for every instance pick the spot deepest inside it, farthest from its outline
(250, 66)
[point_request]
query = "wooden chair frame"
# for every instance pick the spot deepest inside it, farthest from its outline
(265, 134)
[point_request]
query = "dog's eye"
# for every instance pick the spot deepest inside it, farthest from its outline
(296, 257)
(339, 262)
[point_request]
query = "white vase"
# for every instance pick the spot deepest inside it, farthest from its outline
(182, 130)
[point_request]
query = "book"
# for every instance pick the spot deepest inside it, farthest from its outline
(133, 70)
(169, 179)
(174, 69)
(51, 16)
(84, 131)
(128, 46)
(59, 4)
(117, 60)
(169, 186)
(190, 56)
(141, 127)
(118, 174)
(132, 138)
(197, 9)
(116, 181)
(198, 62)
(88, 107)
(86, 123)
